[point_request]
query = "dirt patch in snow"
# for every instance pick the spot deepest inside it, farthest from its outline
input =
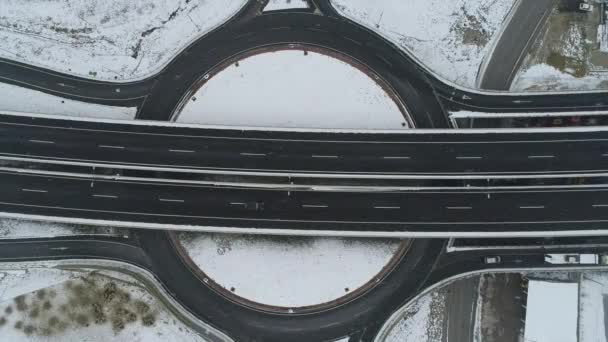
(87, 301)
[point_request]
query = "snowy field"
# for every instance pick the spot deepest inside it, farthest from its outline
(419, 322)
(413, 327)
(567, 56)
(544, 77)
(277, 5)
(19, 229)
(291, 272)
(552, 312)
(450, 37)
(106, 39)
(292, 89)
(593, 298)
(17, 99)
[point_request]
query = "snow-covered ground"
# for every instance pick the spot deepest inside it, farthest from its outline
(422, 321)
(593, 290)
(413, 328)
(19, 99)
(552, 312)
(292, 88)
(544, 77)
(42, 302)
(450, 37)
(291, 272)
(106, 39)
(14, 229)
(276, 5)
(567, 56)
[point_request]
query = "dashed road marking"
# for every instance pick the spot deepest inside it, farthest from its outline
(34, 190)
(111, 146)
(541, 157)
(171, 200)
(469, 157)
(36, 141)
(182, 151)
(396, 157)
(104, 196)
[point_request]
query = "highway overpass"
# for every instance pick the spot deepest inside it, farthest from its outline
(409, 183)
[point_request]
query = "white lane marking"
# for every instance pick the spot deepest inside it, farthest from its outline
(532, 207)
(171, 200)
(314, 206)
(238, 203)
(253, 154)
(465, 158)
(321, 156)
(182, 151)
(111, 146)
(387, 207)
(34, 190)
(541, 157)
(104, 196)
(599, 205)
(36, 141)
(459, 208)
(396, 157)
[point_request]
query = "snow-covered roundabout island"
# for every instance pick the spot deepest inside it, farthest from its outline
(289, 274)
(295, 89)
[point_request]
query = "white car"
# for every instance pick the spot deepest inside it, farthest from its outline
(585, 7)
(492, 260)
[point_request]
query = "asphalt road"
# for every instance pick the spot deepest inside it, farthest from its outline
(440, 213)
(289, 153)
(127, 94)
(461, 305)
(514, 43)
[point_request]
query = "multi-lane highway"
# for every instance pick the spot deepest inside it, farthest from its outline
(431, 212)
(39, 155)
(256, 151)
(539, 182)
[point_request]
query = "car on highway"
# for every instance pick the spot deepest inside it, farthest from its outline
(577, 259)
(489, 260)
(585, 7)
